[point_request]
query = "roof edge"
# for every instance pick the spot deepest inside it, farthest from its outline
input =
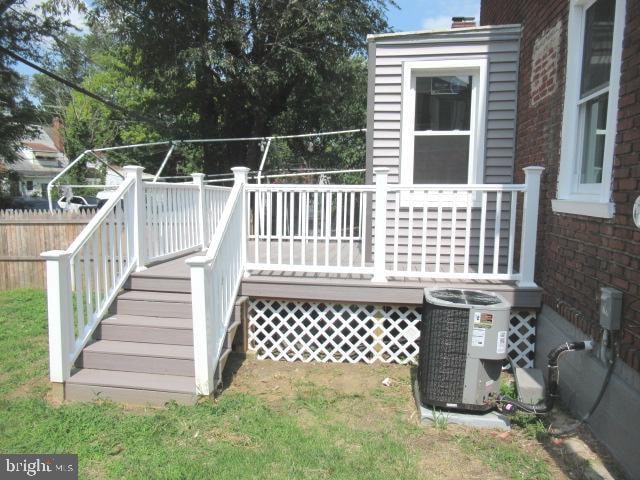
(510, 28)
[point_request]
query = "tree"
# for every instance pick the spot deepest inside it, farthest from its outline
(21, 31)
(238, 68)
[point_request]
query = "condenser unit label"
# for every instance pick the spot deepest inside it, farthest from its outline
(483, 319)
(502, 342)
(477, 338)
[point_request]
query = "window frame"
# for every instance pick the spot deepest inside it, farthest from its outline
(572, 196)
(476, 67)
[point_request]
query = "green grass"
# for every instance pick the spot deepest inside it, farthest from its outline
(238, 436)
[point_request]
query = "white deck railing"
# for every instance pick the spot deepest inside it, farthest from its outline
(319, 228)
(215, 281)
(433, 231)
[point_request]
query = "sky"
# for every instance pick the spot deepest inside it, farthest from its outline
(409, 15)
(430, 14)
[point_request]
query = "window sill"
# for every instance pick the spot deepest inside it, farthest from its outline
(587, 209)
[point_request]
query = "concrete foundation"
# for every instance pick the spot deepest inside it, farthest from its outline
(616, 422)
(428, 416)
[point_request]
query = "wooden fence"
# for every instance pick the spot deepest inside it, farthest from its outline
(25, 234)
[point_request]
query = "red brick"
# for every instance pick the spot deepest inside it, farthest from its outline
(578, 255)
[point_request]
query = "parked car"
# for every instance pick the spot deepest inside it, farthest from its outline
(77, 203)
(29, 203)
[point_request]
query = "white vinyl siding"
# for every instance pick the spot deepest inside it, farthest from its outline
(499, 46)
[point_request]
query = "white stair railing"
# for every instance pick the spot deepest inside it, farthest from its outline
(141, 223)
(84, 279)
(215, 281)
(180, 217)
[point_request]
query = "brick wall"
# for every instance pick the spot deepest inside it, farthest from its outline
(577, 255)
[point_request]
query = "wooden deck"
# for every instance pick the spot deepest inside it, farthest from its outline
(173, 276)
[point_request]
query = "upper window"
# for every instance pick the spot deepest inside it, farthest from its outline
(441, 130)
(591, 98)
(440, 115)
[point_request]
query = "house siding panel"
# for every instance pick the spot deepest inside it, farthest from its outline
(501, 47)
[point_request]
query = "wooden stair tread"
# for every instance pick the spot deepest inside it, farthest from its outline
(116, 347)
(152, 322)
(151, 296)
(133, 380)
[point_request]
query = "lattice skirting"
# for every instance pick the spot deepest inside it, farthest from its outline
(332, 332)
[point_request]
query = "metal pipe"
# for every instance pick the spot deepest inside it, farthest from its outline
(275, 137)
(62, 172)
(264, 159)
(135, 145)
(164, 162)
(91, 185)
(283, 175)
(106, 164)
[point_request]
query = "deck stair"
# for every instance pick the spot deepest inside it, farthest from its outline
(142, 352)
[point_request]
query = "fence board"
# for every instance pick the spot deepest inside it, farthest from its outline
(25, 234)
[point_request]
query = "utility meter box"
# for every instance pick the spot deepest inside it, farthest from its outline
(462, 348)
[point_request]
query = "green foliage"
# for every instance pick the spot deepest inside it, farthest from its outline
(22, 30)
(518, 463)
(236, 69)
(23, 328)
(508, 388)
(440, 419)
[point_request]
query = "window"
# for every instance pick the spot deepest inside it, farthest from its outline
(29, 185)
(591, 104)
(442, 121)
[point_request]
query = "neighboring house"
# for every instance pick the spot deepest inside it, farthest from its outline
(39, 160)
(579, 117)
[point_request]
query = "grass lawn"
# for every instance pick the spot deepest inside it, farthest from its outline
(275, 421)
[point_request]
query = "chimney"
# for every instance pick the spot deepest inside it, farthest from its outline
(463, 22)
(56, 136)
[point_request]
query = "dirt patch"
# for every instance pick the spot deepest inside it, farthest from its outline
(378, 398)
(36, 385)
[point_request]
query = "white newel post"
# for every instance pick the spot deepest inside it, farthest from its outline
(198, 179)
(529, 225)
(202, 309)
(60, 314)
(240, 177)
(379, 222)
(139, 215)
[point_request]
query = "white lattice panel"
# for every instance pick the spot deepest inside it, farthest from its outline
(522, 337)
(331, 332)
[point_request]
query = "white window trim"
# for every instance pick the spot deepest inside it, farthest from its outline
(590, 201)
(476, 66)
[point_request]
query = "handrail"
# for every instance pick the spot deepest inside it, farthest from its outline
(215, 282)
(223, 225)
(100, 216)
(84, 279)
